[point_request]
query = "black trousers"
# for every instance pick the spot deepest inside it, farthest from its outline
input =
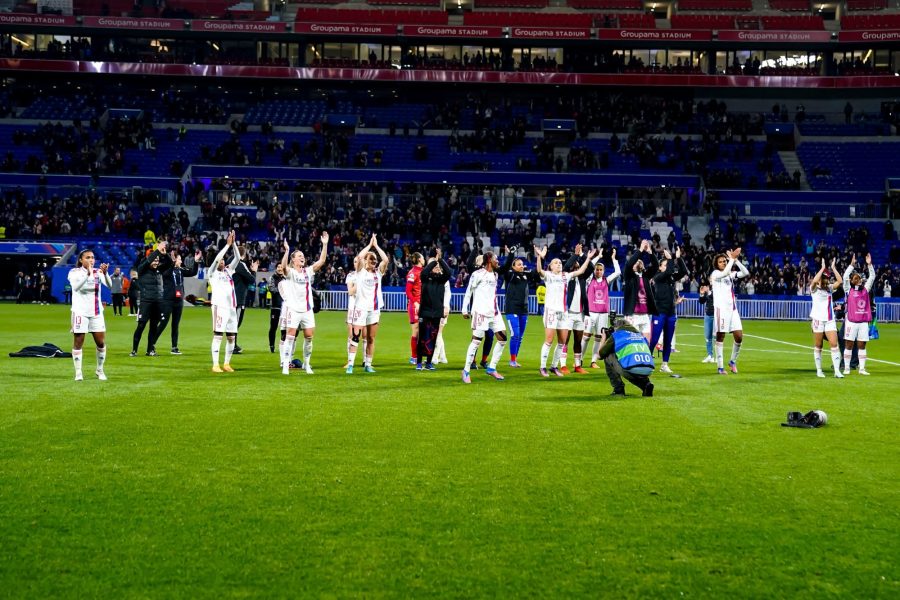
(428, 330)
(118, 303)
(274, 320)
(151, 312)
(616, 373)
(132, 302)
(171, 311)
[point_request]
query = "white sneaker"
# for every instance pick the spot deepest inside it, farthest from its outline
(101, 375)
(819, 373)
(285, 370)
(708, 359)
(79, 376)
(863, 372)
(846, 371)
(665, 368)
(308, 369)
(838, 374)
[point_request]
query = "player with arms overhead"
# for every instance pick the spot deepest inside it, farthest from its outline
(482, 294)
(859, 313)
(369, 302)
(822, 314)
(87, 309)
(224, 304)
(413, 300)
(727, 319)
(297, 302)
(598, 306)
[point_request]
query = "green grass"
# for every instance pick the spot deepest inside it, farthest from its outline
(169, 481)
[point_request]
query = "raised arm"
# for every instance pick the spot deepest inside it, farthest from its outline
(221, 255)
(237, 255)
(361, 257)
(838, 280)
(870, 280)
(539, 253)
(104, 275)
(286, 257)
(383, 265)
(817, 278)
(584, 265)
(617, 271)
(323, 254)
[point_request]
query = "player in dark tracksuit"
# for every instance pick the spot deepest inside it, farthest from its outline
(431, 309)
(517, 281)
(275, 307)
(663, 288)
(150, 279)
(173, 295)
(243, 278)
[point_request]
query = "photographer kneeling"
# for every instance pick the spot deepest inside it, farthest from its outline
(626, 354)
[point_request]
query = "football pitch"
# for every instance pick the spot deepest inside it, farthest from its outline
(170, 481)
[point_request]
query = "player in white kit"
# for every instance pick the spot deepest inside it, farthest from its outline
(297, 302)
(824, 325)
(727, 319)
(556, 314)
(87, 310)
(481, 294)
(224, 304)
(373, 264)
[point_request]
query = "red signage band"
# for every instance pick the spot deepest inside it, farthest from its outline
(25, 19)
(766, 36)
(553, 33)
(345, 29)
(655, 35)
(239, 26)
(452, 31)
(133, 23)
(870, 35)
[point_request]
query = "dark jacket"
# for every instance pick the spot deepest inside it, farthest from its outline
(517, 286)
(243, 277)
(664, 287)
(707, 299)
(173, 280)
(151, 280)
(273, 289)
(577, 285)
(431, 305)
(630, 279)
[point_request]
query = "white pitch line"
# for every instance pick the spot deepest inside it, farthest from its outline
(759, 337)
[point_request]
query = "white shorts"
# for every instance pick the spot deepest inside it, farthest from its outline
(352, 315)
(83, 324)
(556, 319)
(300, 320)
(727, 322)
(282, 316)
(225, 319)
(856, 332)
(823, 326)
(597, 322)
(640, 322)
(366, 317)
(494, 323)
(576, 321)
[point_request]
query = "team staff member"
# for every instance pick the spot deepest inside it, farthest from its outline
(637, 301)
(244, 282)
(150, 278)
(275, 310)
(709, 321)
(413, 300)
(116, 288)
(577, 308)
(431, 309)
(173, 294)
(87, 310)
(517, 281)
(134, 294)
(664, 319)
(626, 354)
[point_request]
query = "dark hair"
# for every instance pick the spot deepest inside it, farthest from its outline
(81, 254)
(488, 256)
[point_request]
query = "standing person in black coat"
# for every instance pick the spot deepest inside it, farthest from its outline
(637, 300)
(151, 281)
(664, 319)
(173, 294)
(576, 308)
(134, 294)
(275, 320)
(518, 282)
(431, 309)
(244, 278)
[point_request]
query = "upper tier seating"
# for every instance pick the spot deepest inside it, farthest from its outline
(854, 5)
(606, 4)
(528, 19)
(850, 22)
(848, 165)
(681, 21)
(374, 16)
(793, 22)
(790, 5)
(513, 4)
(730, 5)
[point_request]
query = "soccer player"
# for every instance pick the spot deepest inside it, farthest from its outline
(517, 280)
(373, 264)
(224, 304)
(637, 300)
(821, 288)
(665, 319)
(431, 309)
(440, 351)
(482, 294)
(555, 309)
(475, 262)
(87, 309)
(413, 300)
(297, 302)
(727, 319)
(598, 306)
(350, 282)
(577, 308)
(859, 313)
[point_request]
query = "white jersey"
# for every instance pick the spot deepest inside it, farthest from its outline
(222, 284)
(299, 287)
(482, 292)
(722, 283)
(86, 300)
(351, 300)
(369, 295)
(555, 299)
(822, 305)
(447, 295)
